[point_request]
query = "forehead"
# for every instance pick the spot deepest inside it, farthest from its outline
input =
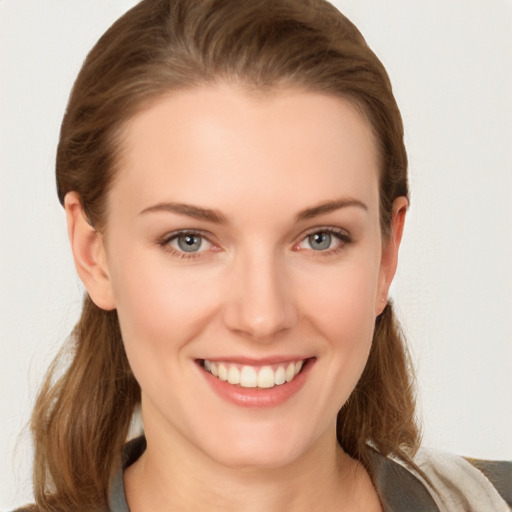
(208, 143)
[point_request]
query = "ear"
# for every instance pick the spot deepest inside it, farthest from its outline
(390, 248)
(88, 253)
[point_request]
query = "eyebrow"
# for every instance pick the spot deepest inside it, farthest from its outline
(217, 217)
(328, 207)
(187, 209)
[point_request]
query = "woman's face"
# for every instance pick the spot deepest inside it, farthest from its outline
(243, 243)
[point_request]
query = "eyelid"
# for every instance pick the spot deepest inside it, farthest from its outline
(340, 232)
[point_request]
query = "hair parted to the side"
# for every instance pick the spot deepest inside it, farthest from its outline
(80, 421)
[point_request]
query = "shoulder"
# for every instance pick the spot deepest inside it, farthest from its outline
(467, 484)
(499, 473)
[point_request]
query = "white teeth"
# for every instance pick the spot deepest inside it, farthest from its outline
(223, 372)
(280, 376)
(266, 377)
(233, 375)
(290, 372)
(249, 377)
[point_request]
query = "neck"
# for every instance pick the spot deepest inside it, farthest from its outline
(176, 476)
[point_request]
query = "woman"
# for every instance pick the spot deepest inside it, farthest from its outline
(234, 179)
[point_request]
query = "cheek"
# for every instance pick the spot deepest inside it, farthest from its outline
(159, 307)
(341, 314)
(342, 303)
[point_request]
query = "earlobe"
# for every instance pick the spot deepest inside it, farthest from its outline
(88, 253)
(390, 249)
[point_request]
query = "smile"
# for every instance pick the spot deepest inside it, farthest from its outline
(246, 376)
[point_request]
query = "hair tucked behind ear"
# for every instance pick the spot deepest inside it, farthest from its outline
(81, 419)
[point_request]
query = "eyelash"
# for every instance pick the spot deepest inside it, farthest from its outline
(343, 237)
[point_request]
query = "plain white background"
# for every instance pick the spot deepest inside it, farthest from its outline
(451, 66)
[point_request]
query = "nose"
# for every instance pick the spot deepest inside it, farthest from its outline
(259, 300)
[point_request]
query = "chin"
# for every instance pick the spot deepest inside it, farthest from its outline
(254, 458)
(266, 448)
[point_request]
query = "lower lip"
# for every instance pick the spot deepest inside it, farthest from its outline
(258, 397)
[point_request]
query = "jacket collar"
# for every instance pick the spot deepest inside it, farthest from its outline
(399, 490)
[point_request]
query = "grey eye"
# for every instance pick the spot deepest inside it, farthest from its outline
(189, 243)
(320, 241)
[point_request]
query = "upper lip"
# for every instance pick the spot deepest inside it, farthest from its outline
(248, 361)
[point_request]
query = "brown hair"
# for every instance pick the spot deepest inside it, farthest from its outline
(81, 419)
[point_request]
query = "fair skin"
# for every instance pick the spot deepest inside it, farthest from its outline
(261, 277)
